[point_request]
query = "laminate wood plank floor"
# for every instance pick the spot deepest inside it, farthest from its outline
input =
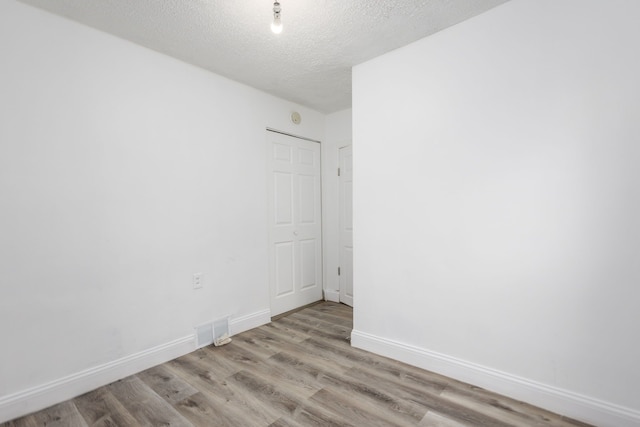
(299, 370)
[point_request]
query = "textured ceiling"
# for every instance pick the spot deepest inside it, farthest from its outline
(308, 63)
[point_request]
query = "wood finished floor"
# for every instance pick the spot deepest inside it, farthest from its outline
(299, 370)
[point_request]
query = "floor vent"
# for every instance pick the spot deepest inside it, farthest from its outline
(221, 332)
(216, 332)
(204, 335)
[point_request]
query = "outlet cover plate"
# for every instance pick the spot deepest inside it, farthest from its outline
(198, 280)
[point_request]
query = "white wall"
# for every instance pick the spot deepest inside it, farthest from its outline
(337, 135)
(497, 206)
(122, 173)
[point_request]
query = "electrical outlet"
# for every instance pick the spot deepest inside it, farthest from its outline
(198, 280)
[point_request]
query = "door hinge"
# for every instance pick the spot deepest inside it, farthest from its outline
(338, 271)
(338, 171)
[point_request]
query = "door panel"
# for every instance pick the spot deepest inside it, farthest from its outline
(282, 152)
(346, 225)
(284, 268)
(283, 198)
(295, 240)
(308, 258)
(307, 157)
(308, 199)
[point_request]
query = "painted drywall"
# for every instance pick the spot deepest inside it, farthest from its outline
(122, 173)
(337, 134)
(497, 206)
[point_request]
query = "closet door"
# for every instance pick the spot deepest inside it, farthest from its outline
(295, 232)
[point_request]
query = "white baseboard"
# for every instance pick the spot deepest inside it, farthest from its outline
(36, 398)
(331, 295)
(42, 396)
(249, 321)
(574, 405)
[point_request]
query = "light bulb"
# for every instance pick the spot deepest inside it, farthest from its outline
(276, 25)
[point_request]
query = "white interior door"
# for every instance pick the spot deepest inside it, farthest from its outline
(345, 180)
(295, 232)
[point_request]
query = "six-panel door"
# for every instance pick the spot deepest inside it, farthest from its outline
(295, 244)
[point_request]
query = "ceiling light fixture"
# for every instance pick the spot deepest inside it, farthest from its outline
(276, 25)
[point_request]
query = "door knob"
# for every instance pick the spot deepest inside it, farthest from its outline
(295, 233)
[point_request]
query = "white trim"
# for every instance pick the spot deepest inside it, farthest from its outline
(555, 399)
(249, 321)
(331, 295)
(36, 398)
(42, 396)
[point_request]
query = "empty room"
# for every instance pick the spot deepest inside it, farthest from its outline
(320, 213)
